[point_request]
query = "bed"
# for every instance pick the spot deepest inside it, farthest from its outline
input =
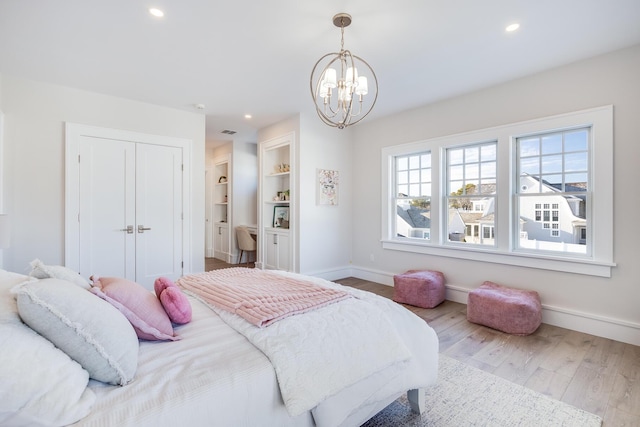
(214, 375)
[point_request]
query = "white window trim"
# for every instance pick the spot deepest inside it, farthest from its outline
(599, 263)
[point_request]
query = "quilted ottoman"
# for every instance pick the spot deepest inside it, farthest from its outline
(422, 288)
(513, 311)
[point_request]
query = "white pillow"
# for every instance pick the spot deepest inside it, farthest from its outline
(41, 271)
(88, 329)
(40, 384)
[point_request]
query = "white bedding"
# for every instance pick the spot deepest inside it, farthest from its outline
(215, 376)
(211, 377)
(313, 353)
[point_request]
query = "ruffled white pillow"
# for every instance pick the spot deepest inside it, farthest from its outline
(41, 271)
(88, 329)
(40, 384)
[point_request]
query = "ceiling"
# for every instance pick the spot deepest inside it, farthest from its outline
(255, 57)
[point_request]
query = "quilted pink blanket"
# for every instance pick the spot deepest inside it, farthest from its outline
(259, 296)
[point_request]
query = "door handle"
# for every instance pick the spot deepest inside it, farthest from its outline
(142, 229)
(129, 229)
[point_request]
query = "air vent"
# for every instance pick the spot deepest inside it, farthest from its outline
(228, 132)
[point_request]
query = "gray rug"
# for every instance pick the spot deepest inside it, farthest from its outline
(467, 396)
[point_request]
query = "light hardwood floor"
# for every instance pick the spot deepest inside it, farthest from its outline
(596, 374)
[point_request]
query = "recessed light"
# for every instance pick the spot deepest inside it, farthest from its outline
(511, 28)
(156, 12)
(247, 116)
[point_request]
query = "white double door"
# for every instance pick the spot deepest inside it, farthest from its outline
(130, 210)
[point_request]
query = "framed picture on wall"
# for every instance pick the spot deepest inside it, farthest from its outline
(281, 217)
(327, 187)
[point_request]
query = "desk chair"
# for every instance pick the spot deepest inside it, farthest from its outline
(246, 243)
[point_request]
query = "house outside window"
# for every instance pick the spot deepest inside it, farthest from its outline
(519, 194)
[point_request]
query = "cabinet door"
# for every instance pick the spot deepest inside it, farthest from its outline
(277, 251)
(284, 256)
(225, 240)
(221, 240)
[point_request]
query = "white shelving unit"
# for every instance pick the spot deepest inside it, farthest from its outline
(277, 220)
(221, 208)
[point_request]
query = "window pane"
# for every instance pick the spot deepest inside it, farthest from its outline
(403, 177)
(552, 144)
(471, 154)
(414, 162)
(488, 152)
(561, 230)
(472, 171)
(426, 160)
(576, 141)
(529, 147)
(576, 182)
(413, 218)
(488, 170)
(551, 164)
(530, 165)
(402, 163)
(575, 162)
(455, 156)
(456, 173)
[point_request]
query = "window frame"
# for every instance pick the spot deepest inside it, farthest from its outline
(599, 233)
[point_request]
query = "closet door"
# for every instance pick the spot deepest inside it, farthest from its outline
(158, 213)
(130, 210)
(107, 208)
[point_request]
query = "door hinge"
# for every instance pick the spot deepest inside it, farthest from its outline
(78, 158)
(182, 264)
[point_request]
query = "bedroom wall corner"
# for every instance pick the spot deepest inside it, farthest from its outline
(36, 114)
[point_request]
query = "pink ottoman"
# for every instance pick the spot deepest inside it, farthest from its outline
(513, 311)
(422, 288)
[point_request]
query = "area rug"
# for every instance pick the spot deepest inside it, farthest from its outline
(467, 396)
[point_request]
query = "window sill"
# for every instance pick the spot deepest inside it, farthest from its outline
(567, 265)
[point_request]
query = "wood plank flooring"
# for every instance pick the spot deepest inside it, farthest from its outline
(596, 374)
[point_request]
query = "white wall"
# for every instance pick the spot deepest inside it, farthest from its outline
(35, 114)
(324, 232)
(601, 306)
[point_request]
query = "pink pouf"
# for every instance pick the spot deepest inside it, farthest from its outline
(513, 311)
(422, 288)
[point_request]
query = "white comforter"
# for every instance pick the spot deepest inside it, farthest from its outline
(319, 353)
(215, 376)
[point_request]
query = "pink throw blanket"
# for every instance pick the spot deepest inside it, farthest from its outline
(260, 297)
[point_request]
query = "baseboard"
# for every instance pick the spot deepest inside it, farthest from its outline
(588, 323)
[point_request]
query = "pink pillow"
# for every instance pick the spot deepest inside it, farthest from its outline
(175, 303)
(139, 306)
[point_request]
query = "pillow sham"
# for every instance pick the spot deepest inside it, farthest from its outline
(174, 302)
(40, 384)
(88, 329)
(139, 305)
(41, 271)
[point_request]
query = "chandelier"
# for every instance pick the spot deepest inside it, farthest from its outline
(339, 84)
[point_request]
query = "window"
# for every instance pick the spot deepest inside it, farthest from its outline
(554, 169)
(413, 195)
(514, 194)
(471, 182)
